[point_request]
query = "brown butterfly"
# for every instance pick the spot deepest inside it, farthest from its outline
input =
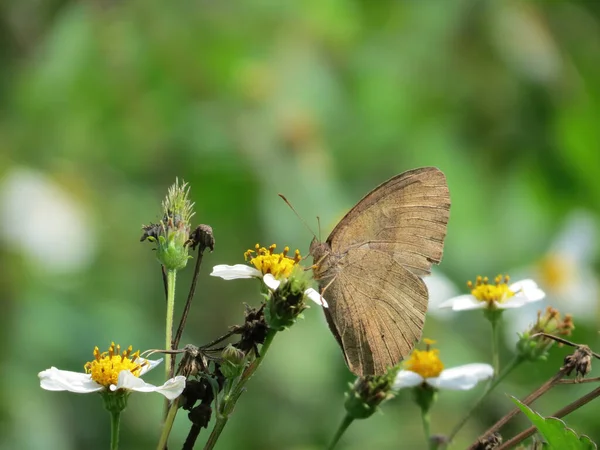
(370, 267)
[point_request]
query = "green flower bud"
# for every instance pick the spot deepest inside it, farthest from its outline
(286, 303)
(367, 393)
(172, 233)
(233, 363)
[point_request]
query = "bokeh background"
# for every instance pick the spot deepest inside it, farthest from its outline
(104, 103)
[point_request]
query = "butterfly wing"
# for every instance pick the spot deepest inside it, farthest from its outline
(382, 246)
(378, 314)
(405, 216)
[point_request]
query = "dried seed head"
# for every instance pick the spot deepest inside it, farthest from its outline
(580, 362)
(489, 442)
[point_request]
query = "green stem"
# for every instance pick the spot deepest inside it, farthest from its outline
(171, 278)
(495, 348)
(491, 386)
(341, 430)
(115, 422)
(168, 425)
(425, 419)
(230, 400)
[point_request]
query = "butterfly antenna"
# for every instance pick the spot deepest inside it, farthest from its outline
(319, 225)
(298, 215)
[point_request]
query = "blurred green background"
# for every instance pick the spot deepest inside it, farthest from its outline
(104, 103)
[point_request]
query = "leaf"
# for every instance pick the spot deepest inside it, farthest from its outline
(555, 431)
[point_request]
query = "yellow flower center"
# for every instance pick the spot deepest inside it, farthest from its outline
(106, 366)
(425, 362)
(555, 272)
(485, 292)
(280, 265)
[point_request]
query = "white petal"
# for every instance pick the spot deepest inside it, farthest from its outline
(462, 377)
(271, 282)
(149, 366)
(235, 272)
(512, 303)
(529, 289)
(316, 297)
(463, 303)
(54, 379)
(171, 389)
(405, 379)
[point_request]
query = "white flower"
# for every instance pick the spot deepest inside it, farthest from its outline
(566, 272)
(499, 295)
(457, 378)
(272, 268)
(241, 271)
(111, 371)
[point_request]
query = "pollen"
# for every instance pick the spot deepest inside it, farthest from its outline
(426, 363)
(106, 366)
(498, 292)
(280, 265)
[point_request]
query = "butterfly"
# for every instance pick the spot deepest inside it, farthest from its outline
(370, 267)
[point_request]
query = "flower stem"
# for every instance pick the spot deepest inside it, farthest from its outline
(425, 419)
(230, 400)
(341, 430)
(168, 425)
(495, 349)
(171, 278)
(491, 386)
(115, 422)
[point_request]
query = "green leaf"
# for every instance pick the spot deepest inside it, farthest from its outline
(555, 431)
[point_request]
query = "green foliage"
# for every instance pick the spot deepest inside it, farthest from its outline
(556, 433)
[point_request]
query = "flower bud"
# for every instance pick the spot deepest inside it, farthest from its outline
(172, 233)
(536, 348)
(233, 362)
(286, 303)
(367, 393)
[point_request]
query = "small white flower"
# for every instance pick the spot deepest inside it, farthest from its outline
(496, 296)
(272, 268)
(457, 378)
(107, 368)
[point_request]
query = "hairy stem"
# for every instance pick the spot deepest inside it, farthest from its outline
(171, 279)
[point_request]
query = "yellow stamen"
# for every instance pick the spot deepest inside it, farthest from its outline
(280, 265)
(106, 366)
(426, 363)
(485, 292)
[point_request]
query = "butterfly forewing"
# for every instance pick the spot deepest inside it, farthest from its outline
(377, 302)
(406, 216)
